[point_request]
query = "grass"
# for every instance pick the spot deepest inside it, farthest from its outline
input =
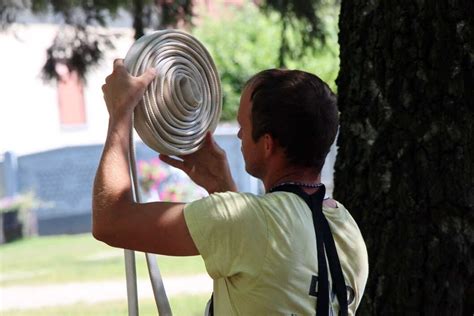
(75, 258)
(191, 305)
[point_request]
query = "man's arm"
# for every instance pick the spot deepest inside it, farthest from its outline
(152, 227)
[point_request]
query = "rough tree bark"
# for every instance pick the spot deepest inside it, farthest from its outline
(405, 165)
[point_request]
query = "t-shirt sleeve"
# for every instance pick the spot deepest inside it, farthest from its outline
(229, 230)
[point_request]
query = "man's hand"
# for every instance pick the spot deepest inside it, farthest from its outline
(122, 92)
(207, 167)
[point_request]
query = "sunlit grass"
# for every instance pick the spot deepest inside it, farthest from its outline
(189, 305)
(75, 258)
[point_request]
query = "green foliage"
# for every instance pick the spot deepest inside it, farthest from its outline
(248, 41)
(240, 45)
(301, 19)
(173, 12)
(297, 17)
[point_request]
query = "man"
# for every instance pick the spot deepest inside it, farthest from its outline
(259, 250)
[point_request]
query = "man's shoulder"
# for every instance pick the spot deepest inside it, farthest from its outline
(225, 200)
(330, 203)
(234, 196)
(327, 203)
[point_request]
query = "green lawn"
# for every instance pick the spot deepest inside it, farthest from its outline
(77, 258)
(71, 258)
(190, 305)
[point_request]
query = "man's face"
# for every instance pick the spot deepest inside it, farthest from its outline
(252, 151)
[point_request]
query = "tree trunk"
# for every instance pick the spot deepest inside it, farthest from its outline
(405, 163)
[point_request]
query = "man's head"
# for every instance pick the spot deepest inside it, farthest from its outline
(298, 110)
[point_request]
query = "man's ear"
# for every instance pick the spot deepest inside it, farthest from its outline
(269, 144)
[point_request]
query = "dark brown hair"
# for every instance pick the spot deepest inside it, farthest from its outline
(299, 110)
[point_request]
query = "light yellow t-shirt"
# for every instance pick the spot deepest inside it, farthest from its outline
(261, 252)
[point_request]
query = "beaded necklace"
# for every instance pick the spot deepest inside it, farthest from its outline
(300, 184)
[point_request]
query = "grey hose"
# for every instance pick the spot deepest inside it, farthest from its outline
(184, 101)
(179, 107)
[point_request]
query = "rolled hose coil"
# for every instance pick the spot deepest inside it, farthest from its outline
(178, 108)
(184, 101)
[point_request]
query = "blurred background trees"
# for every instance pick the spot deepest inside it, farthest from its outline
(80, 43)
(249, 38)
(249, 41)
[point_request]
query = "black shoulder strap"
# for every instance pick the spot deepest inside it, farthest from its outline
(324, 244)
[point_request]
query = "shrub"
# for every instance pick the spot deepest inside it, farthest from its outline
(160, 182)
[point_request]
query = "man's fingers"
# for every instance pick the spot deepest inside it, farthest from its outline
(119, 68)
(208, 137)
(148, 76)
(172, 162)
(210, 141)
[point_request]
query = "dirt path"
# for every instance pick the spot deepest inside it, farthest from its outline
(30, 297)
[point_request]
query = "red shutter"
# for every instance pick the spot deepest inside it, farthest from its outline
(70, 97)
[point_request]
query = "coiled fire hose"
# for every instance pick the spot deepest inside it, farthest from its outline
(179, 107)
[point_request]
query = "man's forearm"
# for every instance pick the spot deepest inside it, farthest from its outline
(112, 185)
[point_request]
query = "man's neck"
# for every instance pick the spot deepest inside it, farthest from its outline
(291, 175)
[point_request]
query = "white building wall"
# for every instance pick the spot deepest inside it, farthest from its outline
(29, 116)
